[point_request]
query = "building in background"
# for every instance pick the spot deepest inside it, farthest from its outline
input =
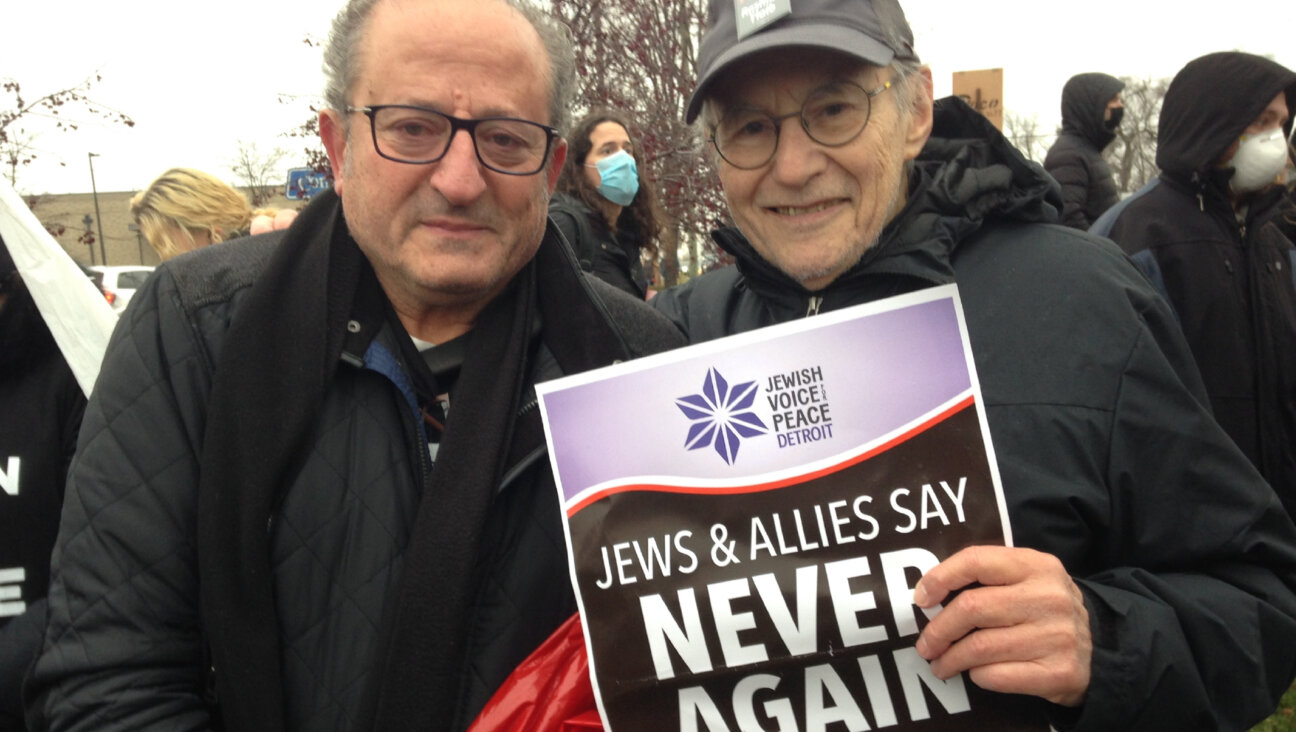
(65, 216)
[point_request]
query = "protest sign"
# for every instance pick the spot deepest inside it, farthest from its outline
(983, 91)
(747, 518)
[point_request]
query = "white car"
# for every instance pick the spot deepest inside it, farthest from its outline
(120, 282)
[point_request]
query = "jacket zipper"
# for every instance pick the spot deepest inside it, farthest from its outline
(527, 460)
(534, 403)
(815, 304)
(423, 450)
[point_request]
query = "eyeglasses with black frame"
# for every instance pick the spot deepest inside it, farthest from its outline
(418, 135)
(832, 115)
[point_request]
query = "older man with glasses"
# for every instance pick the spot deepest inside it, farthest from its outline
(312, 491)
(1151, 585)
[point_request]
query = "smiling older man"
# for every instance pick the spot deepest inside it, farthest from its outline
(1152, 582)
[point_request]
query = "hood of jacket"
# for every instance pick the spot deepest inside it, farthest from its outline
(1084, 102)
(1210, 102)
(966, 175)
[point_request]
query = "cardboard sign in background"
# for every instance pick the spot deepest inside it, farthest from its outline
(983, 90)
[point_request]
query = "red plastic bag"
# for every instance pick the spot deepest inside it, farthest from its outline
(548, 692)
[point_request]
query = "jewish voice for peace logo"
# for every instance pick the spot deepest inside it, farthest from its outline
(721, 416)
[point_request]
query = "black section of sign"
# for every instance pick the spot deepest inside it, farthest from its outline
(670, 547)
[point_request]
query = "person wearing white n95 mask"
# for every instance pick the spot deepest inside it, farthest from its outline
(1258, 161)
(1208, 234)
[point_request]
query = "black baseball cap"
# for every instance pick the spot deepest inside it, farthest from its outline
(874, 31)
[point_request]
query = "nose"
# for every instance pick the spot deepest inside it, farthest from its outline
(459, 176)
(797, 158)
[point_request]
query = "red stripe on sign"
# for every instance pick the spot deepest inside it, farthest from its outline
(774, 485)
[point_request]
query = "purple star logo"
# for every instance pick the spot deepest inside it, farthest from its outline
(721, 415)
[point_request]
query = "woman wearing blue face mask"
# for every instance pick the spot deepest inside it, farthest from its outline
(604, 205)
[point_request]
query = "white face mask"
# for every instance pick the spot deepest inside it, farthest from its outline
(1258, 161)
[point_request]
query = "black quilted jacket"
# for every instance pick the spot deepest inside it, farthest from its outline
(125, 648)
(1076, 160)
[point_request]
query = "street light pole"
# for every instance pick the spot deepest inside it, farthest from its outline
(103, 255)
(87, 221)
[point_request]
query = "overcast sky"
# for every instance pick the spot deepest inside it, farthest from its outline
(198, 78)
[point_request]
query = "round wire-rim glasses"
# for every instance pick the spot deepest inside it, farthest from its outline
(406, 133)
(832, 115)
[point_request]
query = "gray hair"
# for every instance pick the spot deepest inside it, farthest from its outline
(341, 65)
(907, 85)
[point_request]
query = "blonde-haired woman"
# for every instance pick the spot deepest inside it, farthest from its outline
(186, 209)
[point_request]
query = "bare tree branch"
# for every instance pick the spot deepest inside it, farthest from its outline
(638, 57)
(1132, 156)
(259, 171)
(1024, 133)
(16, 149)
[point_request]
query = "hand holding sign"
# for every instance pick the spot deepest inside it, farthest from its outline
(1024, 631)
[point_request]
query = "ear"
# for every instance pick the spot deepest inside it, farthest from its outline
(556, 163)
(920, 116)
(332, 132)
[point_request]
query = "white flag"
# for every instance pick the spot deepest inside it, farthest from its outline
(73, 308)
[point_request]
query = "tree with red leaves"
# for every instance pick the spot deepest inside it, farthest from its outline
(640, 58)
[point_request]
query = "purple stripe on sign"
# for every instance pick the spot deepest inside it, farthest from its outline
(817, 393)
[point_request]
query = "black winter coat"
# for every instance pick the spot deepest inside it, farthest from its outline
(1231, 284)
(613, 257)
(125, 649)
(1230, 275)
(41, 405)
(1076, 160)
(1109, 459)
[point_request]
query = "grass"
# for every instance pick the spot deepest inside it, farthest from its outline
(1283, 720)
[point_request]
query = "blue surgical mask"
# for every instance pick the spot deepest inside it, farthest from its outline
(619, 178)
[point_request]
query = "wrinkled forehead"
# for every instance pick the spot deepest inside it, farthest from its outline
(784, 76)
(468, 33)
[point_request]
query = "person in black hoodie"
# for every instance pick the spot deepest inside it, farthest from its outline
(1207, 235)
(1152, 581)
(1091, 114)
(41, 406)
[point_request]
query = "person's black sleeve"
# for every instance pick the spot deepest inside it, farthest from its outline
(123, 645)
